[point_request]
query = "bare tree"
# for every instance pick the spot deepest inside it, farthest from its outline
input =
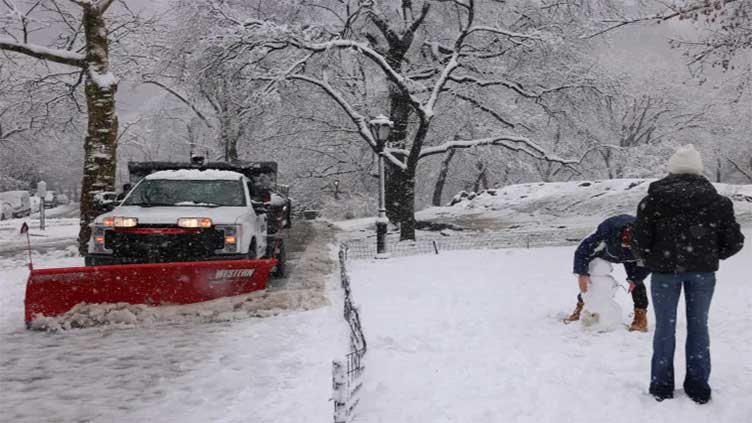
(725, 37)
(91, 58)
(454, 66)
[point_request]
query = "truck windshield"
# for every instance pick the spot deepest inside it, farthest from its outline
(196, 193)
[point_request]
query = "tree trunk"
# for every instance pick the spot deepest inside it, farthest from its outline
(718, 170)
(441, 179)
(607, 160)
(100, 145)
(229, 139)
(403, 202)
(399, 115)
(482, 178)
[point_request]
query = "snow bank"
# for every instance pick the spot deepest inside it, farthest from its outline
(257, 304)
(581, 200)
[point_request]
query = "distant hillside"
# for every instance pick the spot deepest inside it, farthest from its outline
(584, 201)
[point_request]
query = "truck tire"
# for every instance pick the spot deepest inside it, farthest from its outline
(252, 250)
(279, 270)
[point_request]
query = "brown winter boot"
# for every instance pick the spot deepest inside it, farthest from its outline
(575, 316)
(640, 322)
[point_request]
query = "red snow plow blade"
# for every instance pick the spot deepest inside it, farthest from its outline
(52, 292)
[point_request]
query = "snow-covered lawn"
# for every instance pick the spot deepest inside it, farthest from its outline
(475, 336)
(58, 233)
(275, 369)
(571, 203)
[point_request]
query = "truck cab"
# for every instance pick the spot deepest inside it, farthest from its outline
(188, 214)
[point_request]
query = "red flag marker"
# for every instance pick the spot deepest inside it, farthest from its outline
(25, 230)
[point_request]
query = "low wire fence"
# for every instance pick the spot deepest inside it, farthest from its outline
(365, 248)
(347, 376)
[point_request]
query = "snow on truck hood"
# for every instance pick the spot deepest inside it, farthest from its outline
(170, 215)
(196, 174)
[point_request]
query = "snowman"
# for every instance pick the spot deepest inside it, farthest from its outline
(601, 313)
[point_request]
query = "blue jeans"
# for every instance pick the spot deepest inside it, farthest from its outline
(698, 292)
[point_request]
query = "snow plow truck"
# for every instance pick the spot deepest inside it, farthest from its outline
(184, 233)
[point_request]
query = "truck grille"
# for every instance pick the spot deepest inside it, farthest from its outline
(163, 243)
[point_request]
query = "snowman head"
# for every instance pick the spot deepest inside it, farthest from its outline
(600, 267)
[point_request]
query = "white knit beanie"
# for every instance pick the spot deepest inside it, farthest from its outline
(685, 160)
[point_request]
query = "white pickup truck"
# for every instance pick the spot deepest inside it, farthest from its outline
(184, 215)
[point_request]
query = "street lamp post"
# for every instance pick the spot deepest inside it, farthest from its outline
(381, 127)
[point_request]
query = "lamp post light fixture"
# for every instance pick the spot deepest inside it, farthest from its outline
(381, 127)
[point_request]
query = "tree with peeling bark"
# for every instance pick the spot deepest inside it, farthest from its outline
(91, 57)
(448, 51)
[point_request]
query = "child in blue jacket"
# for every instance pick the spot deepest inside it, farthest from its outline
(611, 242)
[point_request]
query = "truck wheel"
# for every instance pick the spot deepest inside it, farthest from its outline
(279, 270)
(252, 253)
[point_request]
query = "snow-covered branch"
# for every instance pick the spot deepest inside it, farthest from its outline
(453, 62)
(81, 3)
(510, 142)
(389, 155)
(182, 99)
(445, 75)
(513, 36)
(740, 170)
(599, 147)
(674, 12)
(40, 52)
(359, 120)
(103, 5)
(398, 79)
(289, 70)
(496, 115)
(514, 86)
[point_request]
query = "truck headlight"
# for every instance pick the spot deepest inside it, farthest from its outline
(120, 222)
(98, 240)
(230, 239)
(195, 222)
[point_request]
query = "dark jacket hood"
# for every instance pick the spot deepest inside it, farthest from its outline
(682, 192)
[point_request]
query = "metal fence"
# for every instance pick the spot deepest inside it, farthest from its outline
(347, 374)
(365, 248)
(347, 377)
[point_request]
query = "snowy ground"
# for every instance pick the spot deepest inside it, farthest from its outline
(536, 214)
(61, 230)
(476, 336)
(201, 363)
(572, 203)
(464, 336)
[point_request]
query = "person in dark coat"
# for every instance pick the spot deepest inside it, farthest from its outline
(610, 242)
(683, 228)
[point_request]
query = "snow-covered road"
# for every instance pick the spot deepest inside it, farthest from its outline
(476, 336)
(179, 364)
(276, 369)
